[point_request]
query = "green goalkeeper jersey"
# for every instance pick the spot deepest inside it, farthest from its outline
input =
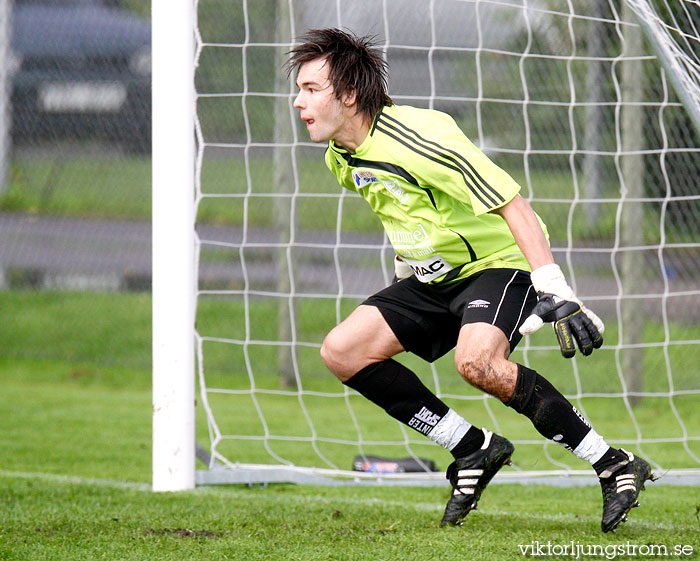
(433, 190)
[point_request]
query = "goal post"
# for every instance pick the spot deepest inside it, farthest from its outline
(173, 244)
(678, 50)
(547, 89)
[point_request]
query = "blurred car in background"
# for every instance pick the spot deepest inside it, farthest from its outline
(82, 70)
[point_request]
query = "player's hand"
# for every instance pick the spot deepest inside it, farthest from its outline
(574, 324)
(401, 269)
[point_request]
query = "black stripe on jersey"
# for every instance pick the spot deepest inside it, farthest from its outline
(472, 253)
(452, 275)
(374, 125)
(384, 166)
(478, 182)
(430, 196)
(484, 184)
(456, 167)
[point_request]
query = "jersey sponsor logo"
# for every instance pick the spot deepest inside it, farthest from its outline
(395, 189)
(479, 304)
(404, 239)
(424, 420)
(419, 252)
(363, 178)
(428, 269)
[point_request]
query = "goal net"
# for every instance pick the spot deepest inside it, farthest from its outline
(593, 108)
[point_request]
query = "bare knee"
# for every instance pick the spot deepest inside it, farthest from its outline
(474, 366)
(481, 358)
(361, 339)
(336, 356)
(489, 372)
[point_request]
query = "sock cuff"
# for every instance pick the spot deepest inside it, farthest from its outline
(524, 386)
(400, 393)
(376, 372)
(592, 448)
(450, 430)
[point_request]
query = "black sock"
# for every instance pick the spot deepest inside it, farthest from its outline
(550, 412)
(610, 459)
(400, 393)
(470, 442)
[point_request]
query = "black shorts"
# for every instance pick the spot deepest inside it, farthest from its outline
(426, 318)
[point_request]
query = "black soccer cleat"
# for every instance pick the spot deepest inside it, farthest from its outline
(621, 487)
(470, 475)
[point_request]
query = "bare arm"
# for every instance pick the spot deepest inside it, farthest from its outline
(526, 230)
(557, 302)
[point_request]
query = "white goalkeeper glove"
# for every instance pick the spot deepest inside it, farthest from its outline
(573, 323)
(402, 270)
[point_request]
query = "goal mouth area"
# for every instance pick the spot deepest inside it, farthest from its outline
(571, 102)
(262, 474)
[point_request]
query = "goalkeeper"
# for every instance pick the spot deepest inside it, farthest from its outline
(474, 273)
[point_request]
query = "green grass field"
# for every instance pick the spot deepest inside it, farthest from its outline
(75, 470)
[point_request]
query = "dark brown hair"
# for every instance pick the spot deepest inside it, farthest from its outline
(355, 64)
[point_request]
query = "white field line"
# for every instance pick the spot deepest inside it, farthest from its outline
(408, 504)
(76, 480)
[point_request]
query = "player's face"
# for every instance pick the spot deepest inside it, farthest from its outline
(326, 116)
